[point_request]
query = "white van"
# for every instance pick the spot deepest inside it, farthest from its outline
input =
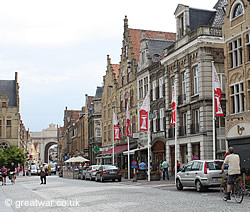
(33, 169)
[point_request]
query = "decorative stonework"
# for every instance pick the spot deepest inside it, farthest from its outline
(236, 77)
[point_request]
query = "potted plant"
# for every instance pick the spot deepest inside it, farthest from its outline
(141, 175)
(155, 175)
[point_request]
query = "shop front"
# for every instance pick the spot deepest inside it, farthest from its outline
(158, 153)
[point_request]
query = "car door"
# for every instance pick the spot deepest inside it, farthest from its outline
(185, 175)
(88, 173)
(194, 172)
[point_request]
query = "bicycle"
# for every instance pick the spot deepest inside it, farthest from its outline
(237, 190)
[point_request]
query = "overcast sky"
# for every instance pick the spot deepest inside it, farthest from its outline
(59, 47)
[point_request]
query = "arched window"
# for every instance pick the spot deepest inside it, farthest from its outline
(238, 10)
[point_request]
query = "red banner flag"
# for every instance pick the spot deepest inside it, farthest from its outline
(217, 93)
(173, 103)
(117, 132)
(128, 122)
(144, 114)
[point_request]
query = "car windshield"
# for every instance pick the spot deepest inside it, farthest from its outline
(33, 166)
(95, 166)
(215, 165)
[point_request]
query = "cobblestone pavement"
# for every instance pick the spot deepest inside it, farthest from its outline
(63, 195)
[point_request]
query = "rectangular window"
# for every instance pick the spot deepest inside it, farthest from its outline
(109, 91)
(109, 110)
(222, 82)
(104, 112)
(140, 89)
(145, 86)
(105, 133)
(129, 72)
(248, 46)
(154, 122)
(161, 87)
(196, 80)
(162, 119)
(126, 99)
(8, 128)
(237, 97)
(184, 86)
(109, 132)
(4, 104)
(98, 132)
(133, 125)
(184, 123)
(172, 86)
(123, 77)
(195, 128)
(121, 103)
(235, 53)
(131, 98)
(154, 90)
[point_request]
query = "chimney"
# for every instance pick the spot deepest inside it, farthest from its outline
(16, 76)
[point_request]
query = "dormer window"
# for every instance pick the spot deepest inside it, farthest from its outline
(181, 25)
(238, 10)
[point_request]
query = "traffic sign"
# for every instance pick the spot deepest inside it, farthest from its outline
(134, 164)
(96, 149)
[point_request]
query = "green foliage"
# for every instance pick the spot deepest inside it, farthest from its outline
(12, 154)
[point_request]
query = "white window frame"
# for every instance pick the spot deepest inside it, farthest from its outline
(154, 121)
(234, 52)
(238, 97)
(196, 79)
(161, 87)
(145, 80)
(184, 86)
(162, 119)
(184, 122)
(154, 90)
(98, 132)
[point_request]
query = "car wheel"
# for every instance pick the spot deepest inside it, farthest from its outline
(179, 185)
(102, 180)
(198, 186)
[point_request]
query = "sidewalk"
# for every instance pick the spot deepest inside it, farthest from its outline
(3, 198)
(158, 183)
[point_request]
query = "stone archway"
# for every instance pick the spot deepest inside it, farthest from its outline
(46, 150)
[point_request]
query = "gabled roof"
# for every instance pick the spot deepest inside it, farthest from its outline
(9, 86)
(115, 68)
(136, 36)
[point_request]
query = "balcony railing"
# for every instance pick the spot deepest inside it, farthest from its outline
(182, 130)
(195, 128)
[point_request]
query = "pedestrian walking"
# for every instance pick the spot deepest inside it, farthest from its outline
(165, 169)
(4, 174)
(178, 166)
(44, 172)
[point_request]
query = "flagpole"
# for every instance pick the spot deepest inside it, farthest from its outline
(175, 140)
(214, 155)
(149, 141)
(128, 160)
(113, 151)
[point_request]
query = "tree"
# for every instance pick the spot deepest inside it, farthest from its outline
(12, 154)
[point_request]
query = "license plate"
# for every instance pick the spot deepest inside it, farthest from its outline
(216, 179)
(112, 172)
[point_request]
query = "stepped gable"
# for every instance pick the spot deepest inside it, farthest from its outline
(115, 68)
(136, 36)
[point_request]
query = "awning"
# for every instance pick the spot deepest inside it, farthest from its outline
(117, 149)
(132, 152)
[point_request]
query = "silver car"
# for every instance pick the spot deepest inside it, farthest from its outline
(91, 172)
(200, 174)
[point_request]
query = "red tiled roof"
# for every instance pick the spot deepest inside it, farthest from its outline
(136, 35)
(117, 149)
(75, 116)
(115, 68)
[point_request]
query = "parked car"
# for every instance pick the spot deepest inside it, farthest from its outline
(91, 172)
(108, 172)
(200, 174)
(33, 169)
(52, 168)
